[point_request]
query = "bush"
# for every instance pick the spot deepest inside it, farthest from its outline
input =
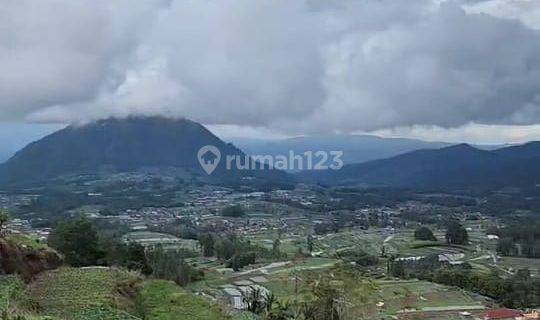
(171, 265)
(456, 233)
(359, 257)
(233, 211)
(78, 241)
(424, 234)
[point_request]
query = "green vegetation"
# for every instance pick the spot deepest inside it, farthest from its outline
(131, 256)
(163, 300)
(4, 217)
(456, 233)
(172, 265)
(11, 290)
(520, 239)
(322, 261)
(519, 291)
(424, 234)
(25, 241)
(67, 292)
(233, 211)
(78, 241)
(24, 256)
(358, 256)
(236, 252)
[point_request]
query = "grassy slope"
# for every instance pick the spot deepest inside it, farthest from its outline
(104, 294)
(11, 288)
(70, 292)
(11, 296)
(164, 300)
(26, 241)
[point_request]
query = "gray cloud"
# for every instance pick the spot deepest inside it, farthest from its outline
(58, 52)
(302, 66)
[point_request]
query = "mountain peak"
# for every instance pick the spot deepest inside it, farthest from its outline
(461, 146)
(118, 145)
(148, 120)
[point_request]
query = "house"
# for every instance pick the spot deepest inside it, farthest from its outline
(502, 314)
(235, 298)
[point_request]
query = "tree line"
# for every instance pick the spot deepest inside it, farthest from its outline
(517, 291)
(80, 244)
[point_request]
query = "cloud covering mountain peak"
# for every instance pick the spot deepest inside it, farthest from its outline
(334, 65)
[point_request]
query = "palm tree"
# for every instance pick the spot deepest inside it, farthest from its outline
(254, 301)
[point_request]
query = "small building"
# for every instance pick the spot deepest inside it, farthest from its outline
(235, 298)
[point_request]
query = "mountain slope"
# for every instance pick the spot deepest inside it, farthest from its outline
(460, 166)
(356, 148)
(120, 145)
(16, 135)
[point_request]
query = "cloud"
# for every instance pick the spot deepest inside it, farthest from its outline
(57, 52)
(471, 133)
(447, 68)
(526, 11)
(296, 67)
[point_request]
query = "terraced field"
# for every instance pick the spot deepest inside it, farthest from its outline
(70, 292)
(97, 293)
(163, 300)
(399, 295)
(147, 238)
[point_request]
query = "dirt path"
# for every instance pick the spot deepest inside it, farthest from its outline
(264, 269)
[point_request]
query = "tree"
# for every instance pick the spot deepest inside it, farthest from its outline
(276, 248)
(358, 256)
(135, 258)
(225, 248)
(4, 218)
(207, 243)
(425, 234)
(373, 218)
(397, 269)
(171, 265)
(456, 233)
(240, 260)
(233, 211)
(523, 274)
(506, 246)
(310, 243)
(326, 300)
(78, 241)
(255, 300)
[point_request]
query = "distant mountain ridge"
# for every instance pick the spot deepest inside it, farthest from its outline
(121, 145)
(172, 145)
(356, 148)
(458, 166)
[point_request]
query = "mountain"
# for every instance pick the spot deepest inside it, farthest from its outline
(16, 135)
(356, 148)
(454, 167)
(4, 155)
(123, 145)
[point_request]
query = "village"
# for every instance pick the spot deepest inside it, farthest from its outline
(290, 218)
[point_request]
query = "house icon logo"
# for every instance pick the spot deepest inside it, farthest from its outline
(209, 157)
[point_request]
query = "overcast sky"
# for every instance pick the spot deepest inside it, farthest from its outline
(463, 70)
